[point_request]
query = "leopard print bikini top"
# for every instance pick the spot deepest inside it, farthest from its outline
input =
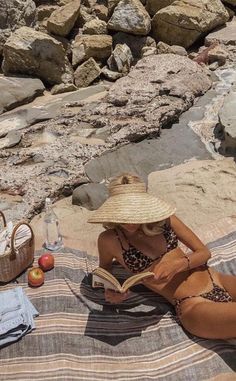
(135, 260)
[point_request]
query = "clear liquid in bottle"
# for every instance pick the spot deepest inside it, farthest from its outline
(53, 238)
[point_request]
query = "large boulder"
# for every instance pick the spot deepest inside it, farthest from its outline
(153, 95)
(13, 15)
(225, 36)
(184, 22)
(35, 54)
(227, 117)
(18, 91)
(63, 19)
(90, 196)
(153, 6)
(86, 46)
(130, 16)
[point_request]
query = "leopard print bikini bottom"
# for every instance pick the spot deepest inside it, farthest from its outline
(217, 294)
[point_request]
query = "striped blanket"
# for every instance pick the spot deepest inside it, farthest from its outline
(79, 336)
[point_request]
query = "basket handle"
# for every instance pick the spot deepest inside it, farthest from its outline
(13, 249)
(4, 219)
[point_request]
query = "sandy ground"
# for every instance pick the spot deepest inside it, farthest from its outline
(203, 191)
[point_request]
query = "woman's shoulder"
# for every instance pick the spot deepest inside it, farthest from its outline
(107, 236)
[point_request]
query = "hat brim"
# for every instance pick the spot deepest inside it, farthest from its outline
(132, 209)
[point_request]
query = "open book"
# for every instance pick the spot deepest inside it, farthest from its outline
(102, 278)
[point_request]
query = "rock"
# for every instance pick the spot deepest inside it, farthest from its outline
(213, 66)
(135, 43)
(86, 46)
(16, 13)
(63, 88)
(111, 4)
(192, 55)
(180, 50)
(89, 3)
(218, 54)
(153, 6)
(11, 140)
(18, 91)
(84, 16)
(13, 15)
(55, 2)
(4, 34)
(230, 2)
(163, 48)
(44, 11)
(135, 109)
(35, 54)
(95, 26)
(5, 205)
(50, 108)
(201, 190)
(227, 118)
(150, 155)
(111, 75)
(183, 23)
(23, 118)
(230, 12)
(226, 35)
(86, 73)
(63, 19)
(148, 50)
(90, 196)
(130, 16)
(101, 12)
(66, 44)
(120, 59)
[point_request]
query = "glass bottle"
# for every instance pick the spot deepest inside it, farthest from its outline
(53, 238)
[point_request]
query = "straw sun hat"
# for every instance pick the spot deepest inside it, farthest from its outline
(131, 204)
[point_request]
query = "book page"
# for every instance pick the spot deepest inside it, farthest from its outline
(135, 279)
(103, 278)
(106, 275)
(98, 281)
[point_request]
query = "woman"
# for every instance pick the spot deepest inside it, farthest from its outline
(143, 234)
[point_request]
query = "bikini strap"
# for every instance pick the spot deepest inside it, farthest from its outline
(119, 239)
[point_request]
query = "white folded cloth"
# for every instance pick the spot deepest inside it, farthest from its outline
(22, 234)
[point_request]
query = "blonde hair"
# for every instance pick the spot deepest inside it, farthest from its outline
(150, 229)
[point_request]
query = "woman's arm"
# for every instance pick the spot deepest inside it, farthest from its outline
(176, 261)
(200, 253)
(106, 249)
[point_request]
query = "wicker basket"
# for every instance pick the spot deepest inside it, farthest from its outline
(15, 261)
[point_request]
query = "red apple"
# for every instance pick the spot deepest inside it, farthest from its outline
(35, 277)
(46, 262)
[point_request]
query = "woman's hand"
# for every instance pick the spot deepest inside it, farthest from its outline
(166, 269)
(116, 297)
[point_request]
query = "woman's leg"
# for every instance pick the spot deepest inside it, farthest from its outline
(210, 320)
